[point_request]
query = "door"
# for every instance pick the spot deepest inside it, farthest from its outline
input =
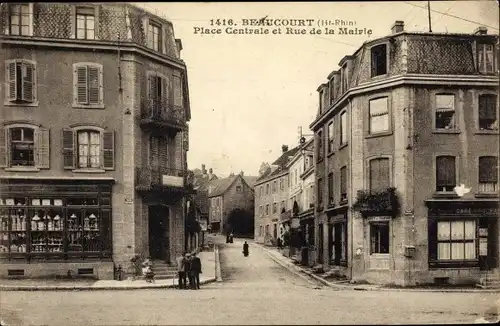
(158, 232)
(330, 243)
(337, 243)
(320, 243)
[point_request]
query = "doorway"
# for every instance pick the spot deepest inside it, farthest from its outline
(337, 243)
(158, 232)
(320, 243)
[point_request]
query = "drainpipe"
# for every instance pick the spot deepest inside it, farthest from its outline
(351, 219)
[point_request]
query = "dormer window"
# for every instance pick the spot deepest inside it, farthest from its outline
(379, 60)
(344, 78)
(321, 107)
(485, 56)
(85, 23)
(154, 36)
(19, 19)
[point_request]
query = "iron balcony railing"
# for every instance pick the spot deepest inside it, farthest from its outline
(148, 177)
(162, 112)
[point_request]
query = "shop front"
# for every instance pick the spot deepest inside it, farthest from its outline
(463, 235)
(56, 228)
(337, 236)
(308, 253)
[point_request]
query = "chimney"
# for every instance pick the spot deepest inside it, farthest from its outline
(398, 27)
(203, 169)
(284, 148)
(178, 44)
(481, 30)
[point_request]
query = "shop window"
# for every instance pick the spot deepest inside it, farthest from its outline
(488, 108)
(488, 174)
(445, 112)
(485, 56)
(90, 148)
(21, 81)
(379, 60)
(19, 19)
(330, 137)
(343, 128)
(343, 184)
(85, 23)
(445, 173)
(24, 147)
(88, 85)
(456, 240)
(154, 36)
(379, 174)
(379, 238)
(379, 115)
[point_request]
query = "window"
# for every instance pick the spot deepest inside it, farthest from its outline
(158, 90)
(445, 111)
(379, 60)
(332, 91)
(178, 91)
(274, 186)
(85, 23)
(343, 128)
(158, 152)
(19, 19)
(261, 210)
(275, 208)
(154, 37)
(379, 174)
(283, 205)
(320, 192)
(24, 147)
(321, 102)
(21, 76)
(344, 78)
(88, 90)
(445, 173)
(488, 119)
(267, 189)
(456, 240)
(238, 188)
(88, 148)
(260, 230)
(330, 188)
(379, 115)
(267, 209)
(320, 144)
(330, 137)
(343, 184)
(488, 174)
(281, 184)
(267, 229)
(485, 56)
(379, 238)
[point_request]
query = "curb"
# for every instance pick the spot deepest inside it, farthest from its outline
(297, 269)
(95, 288)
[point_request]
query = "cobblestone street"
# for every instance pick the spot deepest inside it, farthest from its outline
(255, 290)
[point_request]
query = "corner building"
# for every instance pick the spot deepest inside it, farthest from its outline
(93, 139)
(405, 120)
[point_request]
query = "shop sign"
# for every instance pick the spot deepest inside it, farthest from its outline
(468, 211)
(169, 180)
(379, 218)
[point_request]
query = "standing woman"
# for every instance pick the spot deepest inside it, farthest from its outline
(245, 249)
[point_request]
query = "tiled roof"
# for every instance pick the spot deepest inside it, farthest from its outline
(280, 163)
(220, 186)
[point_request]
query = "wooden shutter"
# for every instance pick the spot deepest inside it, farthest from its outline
(68, 145)
(81, 85)
(343, 177)
(93, 85)
(4, 156)
(379, 174)
(445, 171)
(108, 147)
(12, 81)
(164, 92)
(163, 152)
(28, 82)
(43, 148)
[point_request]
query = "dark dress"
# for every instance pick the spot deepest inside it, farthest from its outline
(245, 249)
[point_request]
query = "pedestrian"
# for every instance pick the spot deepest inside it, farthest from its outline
(245, 249)
(187, 269)
(195, 271)
(181, 271)
(279, 243)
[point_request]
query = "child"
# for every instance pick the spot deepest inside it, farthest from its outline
(147, 272)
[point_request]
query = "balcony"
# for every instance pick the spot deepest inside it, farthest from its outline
(160, 115)
(162, 179)
(377, 203)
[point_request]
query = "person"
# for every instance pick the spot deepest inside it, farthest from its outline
(195, 271)
(181, 271)
(279, 243)
(245, 249)
(187, 269)
(147, 271)
(231, 237)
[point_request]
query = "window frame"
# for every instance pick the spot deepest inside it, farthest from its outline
(387, 132)
(343, 142)
(476, 113)
(451, 241)
(320, 192)
(319, 145)
(376, 251)
(344, 197)
(434, 95)
(331, 136)
(84, 11)
(457, 177)
(34, 102)
(331, 188)
(367, 183)
(74, 11)
(496, 182)
(155, 24)
(387, 59)
(7, 29)
(479, 46)
(88, 65)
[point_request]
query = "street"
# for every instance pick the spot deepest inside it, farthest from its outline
(255, 290)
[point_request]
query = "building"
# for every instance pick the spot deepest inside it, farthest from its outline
(93, 138)
(407, 141)
(229, 194)
(271, 197)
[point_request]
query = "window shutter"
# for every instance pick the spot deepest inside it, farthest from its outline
(153, 90)
(93, 85)
(384, 174)
(487, 106)
(43, 148)
(3, 147)
(432, 231)
(108, 146)
(68, 144)
(81, 85)
(164, 93)
(445, 171)
(28, 82)
(11, 80)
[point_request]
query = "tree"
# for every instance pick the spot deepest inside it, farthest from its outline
(241, 222)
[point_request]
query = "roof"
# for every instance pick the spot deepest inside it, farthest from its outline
(220, 186)
(250, 180)
(280, 163)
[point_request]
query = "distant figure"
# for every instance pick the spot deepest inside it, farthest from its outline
(279, 243)
(245, 249)
(231, 237)
(195, 271)
(181, 271)
(187, 268)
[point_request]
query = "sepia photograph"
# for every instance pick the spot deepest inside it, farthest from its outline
(249, 163)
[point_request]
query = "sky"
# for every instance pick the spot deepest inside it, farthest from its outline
(250, 93)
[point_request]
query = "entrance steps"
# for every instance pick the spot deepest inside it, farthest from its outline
(490, 280)
(164, 271)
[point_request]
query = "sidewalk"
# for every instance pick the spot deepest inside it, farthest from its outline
(288, 263)
(208, 260)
